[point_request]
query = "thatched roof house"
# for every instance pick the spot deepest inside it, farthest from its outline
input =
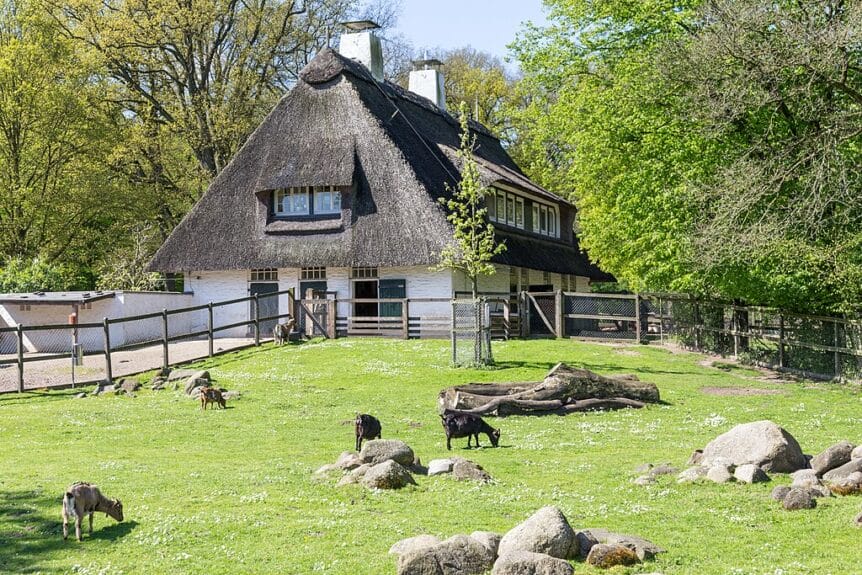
(345, 174)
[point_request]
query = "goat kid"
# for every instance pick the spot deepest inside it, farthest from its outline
(83, 499)
(212, 395)
(281, 331)
(457, 424)
(367, 427)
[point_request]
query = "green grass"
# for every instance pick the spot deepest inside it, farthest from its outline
(232, 491)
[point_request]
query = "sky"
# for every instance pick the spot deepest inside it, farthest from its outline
(487, 25)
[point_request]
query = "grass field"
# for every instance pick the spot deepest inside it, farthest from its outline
(232, 491)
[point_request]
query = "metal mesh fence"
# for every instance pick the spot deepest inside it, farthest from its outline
(471, 332)
(601, 316)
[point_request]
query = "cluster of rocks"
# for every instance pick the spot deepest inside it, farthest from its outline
(190, 380)
(835, 471)
(542, 545)
(391, 463)
(123, 386)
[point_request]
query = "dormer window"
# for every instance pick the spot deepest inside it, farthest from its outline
(306, 201)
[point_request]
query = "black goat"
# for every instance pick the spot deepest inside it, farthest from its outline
(367, 427)
(458, 424)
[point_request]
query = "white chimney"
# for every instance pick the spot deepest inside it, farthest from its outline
(362, 45)
(426, 79)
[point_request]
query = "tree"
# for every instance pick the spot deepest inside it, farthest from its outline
(473, 243)
(58, 192)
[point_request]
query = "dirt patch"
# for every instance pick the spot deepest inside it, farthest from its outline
(732, 391)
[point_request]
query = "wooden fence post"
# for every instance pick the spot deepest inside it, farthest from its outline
(780, 340)
(696, 326)
(20, 333)
(405, 319)
(835, 341)
(660, 320)
(165, 351)
(331, 310)
(734, 324)
(256, 301)
(210, 327)
(558, 305)
(507, 326)
(109, 372)
(638, 318)
(525, 315)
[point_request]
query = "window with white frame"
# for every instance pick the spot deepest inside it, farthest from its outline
(546, 278)
(519, 212)
(307, 200)
(491, 205)
(312, 273)
(363, 273)
(264, 275)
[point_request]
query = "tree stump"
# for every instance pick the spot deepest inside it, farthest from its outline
(564, 390)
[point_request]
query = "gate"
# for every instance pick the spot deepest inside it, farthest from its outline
(541, 313)
(317, 314)
(471, 332)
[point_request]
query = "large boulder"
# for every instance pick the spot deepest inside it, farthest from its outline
(354, 475)
(387, 475)
(527, 563)
(348, 460)
(692, 474)
(832, 457)
(856, 453)
(489, 539)
(762, 443)
(458, 555)
(799, 498)
(546, 531)
(196, 380)
(842, 472)
(440, 466)
(606, 556)
(720, 474)
(412, 544)
(380, 450)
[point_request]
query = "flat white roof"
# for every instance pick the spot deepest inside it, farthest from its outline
(55, 297)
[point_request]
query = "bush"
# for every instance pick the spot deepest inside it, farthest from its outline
(22, 275)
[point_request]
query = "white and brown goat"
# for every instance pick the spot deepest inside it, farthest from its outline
(85, 498)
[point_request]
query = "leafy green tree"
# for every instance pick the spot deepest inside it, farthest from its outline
(473, 244)
(20, 275)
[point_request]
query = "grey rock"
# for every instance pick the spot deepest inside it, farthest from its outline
(845, 470)
(643, 548)
(644, 480)
(458, 555)
(605, 556)
(489, 539)
(696, 473)
(719, 474)
(528, 563)
(354, 475)
(832, 457)
(780, 492)
(546, 531)
(81, 395)
(820, 491)
(857, 521)
(192, 383)
(750, 473)
(850, 485)
(325, 470)
(762, 443)
(696, 457)
(413, 544)
(586, 540)
(387, 475)
(799, 498)
(663, 469)
(856, 453)
(440, 466)
(380, 450)
(180, 374)
(464, 470)
(348, 460)
(644, 468)
(105, 387)
(129, 385)
(805, 478)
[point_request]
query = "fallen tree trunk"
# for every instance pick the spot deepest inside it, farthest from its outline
(564, 390)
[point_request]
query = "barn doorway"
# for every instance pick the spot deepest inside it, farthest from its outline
(365, 289)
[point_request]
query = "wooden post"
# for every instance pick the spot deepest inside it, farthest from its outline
(454, 348)
(558, 309)
(506, 319)
(525, 315)
(20, 333)
(210, 327)
(734, 324)
(660, 320)
(638, 318)
(331, 309)
(166, 360)
(405, 319)
(308, 310)
(836, 340)
(256, 301)
(780, 340)
(109, 372)
(696, 326)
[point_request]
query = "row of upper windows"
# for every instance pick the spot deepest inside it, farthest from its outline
(508, 208)
(307, 200)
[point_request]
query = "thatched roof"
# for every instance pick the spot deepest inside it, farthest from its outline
(392, 148)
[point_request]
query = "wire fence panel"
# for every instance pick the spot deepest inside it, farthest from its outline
(601, 316)
(471, 332)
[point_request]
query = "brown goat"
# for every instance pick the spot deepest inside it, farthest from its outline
(85, 499)
(212, 395)
(281, 331)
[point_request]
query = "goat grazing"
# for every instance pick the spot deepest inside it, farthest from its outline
(281, 331)
(367, 427)
(457, 424)
(83, 499)
(212, 395)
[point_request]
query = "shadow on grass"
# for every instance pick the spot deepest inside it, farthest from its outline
(110, 532)
(31, 396)
(26, 536)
